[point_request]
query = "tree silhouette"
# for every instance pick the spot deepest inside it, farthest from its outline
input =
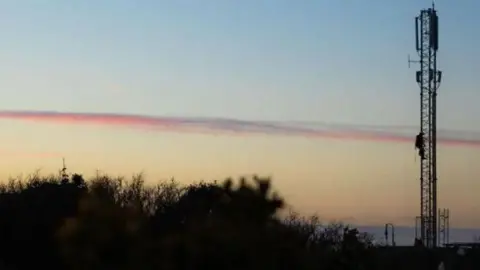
(111, 223)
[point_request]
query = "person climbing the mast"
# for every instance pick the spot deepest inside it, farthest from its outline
(420, 145)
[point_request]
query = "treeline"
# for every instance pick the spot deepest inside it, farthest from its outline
(110, 223)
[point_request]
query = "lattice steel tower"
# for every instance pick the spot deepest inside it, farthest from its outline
(428, 78)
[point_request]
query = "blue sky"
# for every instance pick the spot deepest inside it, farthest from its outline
(302, 60)
(334, 61)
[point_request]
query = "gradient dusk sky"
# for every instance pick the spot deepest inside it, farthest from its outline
(338, 61)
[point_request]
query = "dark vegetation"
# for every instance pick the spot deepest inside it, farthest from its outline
(109, 223)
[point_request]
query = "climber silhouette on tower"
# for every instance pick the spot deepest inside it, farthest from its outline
(420, 145)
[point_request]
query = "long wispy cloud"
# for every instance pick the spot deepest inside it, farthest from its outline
(236, 126)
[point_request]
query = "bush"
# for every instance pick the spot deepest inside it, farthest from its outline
(110, 223)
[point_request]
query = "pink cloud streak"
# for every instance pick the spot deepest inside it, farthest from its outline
(216, 126)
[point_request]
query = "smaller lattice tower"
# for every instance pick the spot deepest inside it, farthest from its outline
(63, 172)
(443, 226)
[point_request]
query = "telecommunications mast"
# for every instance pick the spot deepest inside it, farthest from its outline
(428, 78)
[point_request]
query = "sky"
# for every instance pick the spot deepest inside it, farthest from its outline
(311, 60)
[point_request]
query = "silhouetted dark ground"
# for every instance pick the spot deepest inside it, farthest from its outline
(108, 223)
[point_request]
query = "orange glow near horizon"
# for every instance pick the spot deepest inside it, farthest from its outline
(371, 183)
